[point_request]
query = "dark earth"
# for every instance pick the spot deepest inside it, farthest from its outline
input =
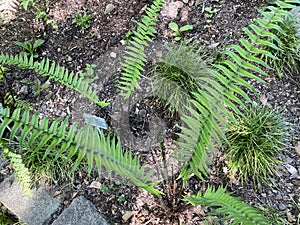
(101, 44)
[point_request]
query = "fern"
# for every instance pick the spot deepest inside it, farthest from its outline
(228, 205)
(135, 57)
(269, 44)
(51, 139)
(8, 8)
(201, 131)
(15, 102)
(183, 80)
(21, 172)
(204, 126)
(56, 72)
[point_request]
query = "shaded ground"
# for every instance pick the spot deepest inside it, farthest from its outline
(69, 47)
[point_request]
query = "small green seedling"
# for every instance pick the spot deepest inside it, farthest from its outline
(178, 31)
(121, 199)
(209, 12)
(103, 188)
(83, 21)
(38, 86)
(30, 48)
(25, 3)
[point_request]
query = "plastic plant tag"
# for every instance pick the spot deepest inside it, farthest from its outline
(1, 108)
(94, 121)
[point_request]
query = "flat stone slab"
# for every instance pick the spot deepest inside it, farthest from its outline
(34, 210)
(80, 212)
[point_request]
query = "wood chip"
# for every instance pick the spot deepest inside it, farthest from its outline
(297, 148)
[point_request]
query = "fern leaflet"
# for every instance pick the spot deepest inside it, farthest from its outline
(21, 172)
(228, 205)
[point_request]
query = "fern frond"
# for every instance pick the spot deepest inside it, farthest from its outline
(56, 72)
(15, 102)
(183, 80)
(21, 172)
(201, 130)
(8, 8)
(275, 35)
(135, 57)
(254, 56)
(232, 207)
(51, 139)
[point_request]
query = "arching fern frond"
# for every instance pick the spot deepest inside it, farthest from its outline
(50, 69)
(135, 57)
(272, 45)
(232, 207)
(184, 81)
(52, 139)
(21, 172)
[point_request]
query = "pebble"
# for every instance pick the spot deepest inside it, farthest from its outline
(69, 59)
(109, 8)
(282, 206)
(24, 90)
(63, 114)
(113, 55)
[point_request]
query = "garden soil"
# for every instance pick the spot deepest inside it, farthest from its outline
(101, 45)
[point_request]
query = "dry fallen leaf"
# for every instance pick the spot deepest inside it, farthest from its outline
(293, 171)
(127, 215)
(95, 184)
(297, 148)
(8, 8)
(263, 99)
(290, 217)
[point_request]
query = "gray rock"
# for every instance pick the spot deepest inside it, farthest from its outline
(282, 207)
(81, 211)
(34, 210)
(24, 90)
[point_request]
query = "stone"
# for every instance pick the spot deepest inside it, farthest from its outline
(81, 211)
(282, 207)
(24, 90)
(113, 55)
(34, 210)
(109, 8)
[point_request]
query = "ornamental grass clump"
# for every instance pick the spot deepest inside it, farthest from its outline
(255, 142)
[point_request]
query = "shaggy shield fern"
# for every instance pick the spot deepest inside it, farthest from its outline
(51, 139)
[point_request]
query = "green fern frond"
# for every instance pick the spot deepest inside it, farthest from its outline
(21, 172)
(183, 80)
(201, 131)
(275, 35)
(56, 72)
(108, 153)
(232, 207)
(135, 58)
(15, 102)
(254, 56)
(51, 139)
